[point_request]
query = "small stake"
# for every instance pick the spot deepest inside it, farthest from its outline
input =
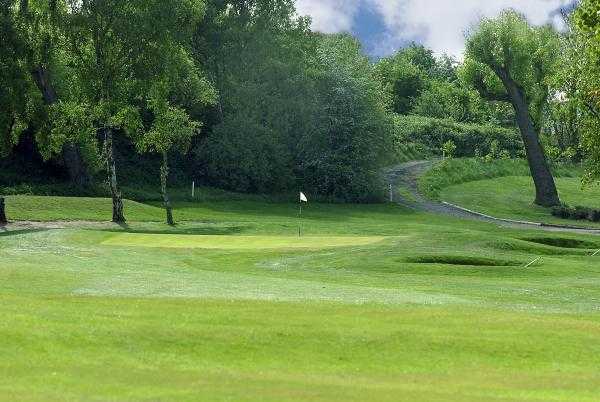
(193, 189)
(391, 193)
(532, 262)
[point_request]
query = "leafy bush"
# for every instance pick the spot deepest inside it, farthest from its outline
(577, 213)
(470, 139)
(449, 148)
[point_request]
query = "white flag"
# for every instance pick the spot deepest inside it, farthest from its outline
(303, 198)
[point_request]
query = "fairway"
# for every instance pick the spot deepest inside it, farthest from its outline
(237, 242)
(382, 302)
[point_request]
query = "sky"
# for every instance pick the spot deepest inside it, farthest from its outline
(384, 26)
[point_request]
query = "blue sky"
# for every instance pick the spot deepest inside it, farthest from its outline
(384, 26)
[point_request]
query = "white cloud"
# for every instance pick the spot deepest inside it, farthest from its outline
(329, 16)
(439, 24)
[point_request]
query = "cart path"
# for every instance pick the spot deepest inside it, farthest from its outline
(407, 176)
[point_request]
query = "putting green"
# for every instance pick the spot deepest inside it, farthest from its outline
(237, 242)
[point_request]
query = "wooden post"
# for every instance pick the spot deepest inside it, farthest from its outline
(391, 193)
(3, 219)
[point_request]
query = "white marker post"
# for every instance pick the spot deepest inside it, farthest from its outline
(302, 199)
(532, 262)
(193, 189)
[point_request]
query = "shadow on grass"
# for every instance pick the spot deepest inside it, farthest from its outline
(198, 231)
(4, 232)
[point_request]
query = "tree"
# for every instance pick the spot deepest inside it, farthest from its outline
(39, 24)
(508, 60)
(343, 156)
(586, 76)
(15, 106)
(117, 51)
(296, 109)
(402, 80)
(451, 101)
(172, 130)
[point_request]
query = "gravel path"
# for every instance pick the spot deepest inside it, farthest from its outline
(407, 175)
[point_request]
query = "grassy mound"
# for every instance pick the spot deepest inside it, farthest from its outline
(457, 171)
(512, 198)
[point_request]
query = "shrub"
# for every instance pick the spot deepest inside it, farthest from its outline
(470, 139)
(448, 149)
(576, 213)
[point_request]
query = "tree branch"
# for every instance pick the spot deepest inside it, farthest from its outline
(485, 92)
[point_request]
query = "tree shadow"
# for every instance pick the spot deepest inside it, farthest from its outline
(4, 232)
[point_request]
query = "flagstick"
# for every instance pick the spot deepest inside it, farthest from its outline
(300, 221)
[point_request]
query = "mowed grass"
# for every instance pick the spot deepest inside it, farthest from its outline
(224, 242)
(512, 197)
(436, 309)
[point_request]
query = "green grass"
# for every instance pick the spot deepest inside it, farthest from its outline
(512, 197)
(436, 310)
(457, 171)
(223, 242)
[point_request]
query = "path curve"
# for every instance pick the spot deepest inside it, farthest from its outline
(407, 176)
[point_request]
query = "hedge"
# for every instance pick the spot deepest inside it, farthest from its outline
(470, 139)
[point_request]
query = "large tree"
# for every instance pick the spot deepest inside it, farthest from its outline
(509, 60)
(585, 67)
(117, 52)
(15, 104)
(40, 24)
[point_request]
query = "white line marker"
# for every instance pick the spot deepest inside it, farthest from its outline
(532, 262)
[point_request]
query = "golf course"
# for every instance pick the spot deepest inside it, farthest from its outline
(370, 303)
(299, 201)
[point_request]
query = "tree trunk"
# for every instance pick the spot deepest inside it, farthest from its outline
(71, 154)
(546, 193)
(3, 220)
(164, 176)
(111, 169)
(76, 168)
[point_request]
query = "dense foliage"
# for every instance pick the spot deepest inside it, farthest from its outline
(470, 139)
(244, 96)
(584, 74)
